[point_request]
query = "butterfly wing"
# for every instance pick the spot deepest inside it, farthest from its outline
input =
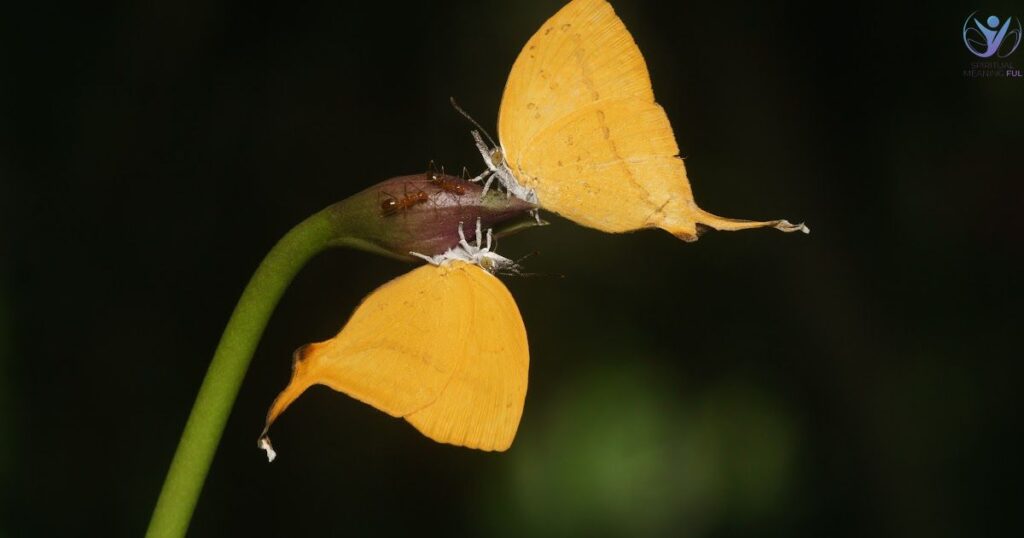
(582, 55)
(611, 165)
(482, 403)
(579, 125)
(412, 345)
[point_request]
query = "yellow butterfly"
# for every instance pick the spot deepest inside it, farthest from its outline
(581, 134)
(443, 347)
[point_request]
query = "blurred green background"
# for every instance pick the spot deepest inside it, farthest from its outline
(858, 381)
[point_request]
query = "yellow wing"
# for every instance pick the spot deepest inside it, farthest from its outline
(579, 125)
(483, 402)
(443, 347)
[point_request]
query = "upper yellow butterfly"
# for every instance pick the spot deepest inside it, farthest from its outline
(581, 134)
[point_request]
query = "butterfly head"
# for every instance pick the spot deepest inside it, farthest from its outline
(497, 157)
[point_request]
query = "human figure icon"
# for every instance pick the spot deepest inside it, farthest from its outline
(991, 34)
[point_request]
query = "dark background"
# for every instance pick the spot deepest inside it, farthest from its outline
(858, 381)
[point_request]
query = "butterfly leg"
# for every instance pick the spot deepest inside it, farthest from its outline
(479, 235)
(433, 260)
(462, 239)
(487, 185)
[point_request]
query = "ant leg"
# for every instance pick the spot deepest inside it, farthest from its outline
(479, 235)
(490, 238)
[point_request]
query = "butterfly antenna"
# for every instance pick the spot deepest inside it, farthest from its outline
(474, 122)
(528, 255)
(516, 269)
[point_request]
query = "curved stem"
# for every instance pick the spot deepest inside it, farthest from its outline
(220, 387)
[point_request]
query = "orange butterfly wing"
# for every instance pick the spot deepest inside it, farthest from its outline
(443, 347)
(579, 125)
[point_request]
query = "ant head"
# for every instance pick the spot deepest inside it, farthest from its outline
(389, 206)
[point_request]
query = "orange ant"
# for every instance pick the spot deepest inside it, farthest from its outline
(446, 184)
(393, 205)
(443, 181)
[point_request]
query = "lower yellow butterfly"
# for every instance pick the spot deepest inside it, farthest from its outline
(443, 347)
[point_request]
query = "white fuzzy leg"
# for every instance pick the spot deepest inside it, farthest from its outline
(483, 175)
(462, 240)
(485, 152)
(487, 186)
(464, 251)
(429, 259)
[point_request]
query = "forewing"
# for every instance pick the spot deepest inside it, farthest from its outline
(581, 55)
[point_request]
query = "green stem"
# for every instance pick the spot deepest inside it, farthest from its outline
(231, 360)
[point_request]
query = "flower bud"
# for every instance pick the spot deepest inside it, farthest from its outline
(421, 213)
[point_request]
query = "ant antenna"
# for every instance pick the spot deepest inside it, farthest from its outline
(470, 118)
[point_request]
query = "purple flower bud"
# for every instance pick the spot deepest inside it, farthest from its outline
(421, 213)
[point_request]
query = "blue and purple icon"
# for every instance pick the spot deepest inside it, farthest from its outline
(991, 37)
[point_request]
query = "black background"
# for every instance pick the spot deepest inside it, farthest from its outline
(858, 381)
